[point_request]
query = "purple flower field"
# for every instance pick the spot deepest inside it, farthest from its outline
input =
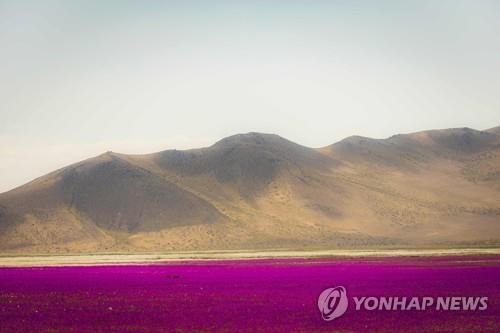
(246, 295)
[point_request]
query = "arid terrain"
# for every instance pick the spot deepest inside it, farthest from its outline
(261, 191)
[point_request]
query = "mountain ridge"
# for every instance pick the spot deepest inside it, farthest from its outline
(259, 191)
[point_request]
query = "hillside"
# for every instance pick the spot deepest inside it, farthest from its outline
(261, 191)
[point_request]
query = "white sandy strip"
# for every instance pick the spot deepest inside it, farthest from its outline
(108, 259)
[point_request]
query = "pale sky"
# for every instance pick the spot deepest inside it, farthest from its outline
(78, 78)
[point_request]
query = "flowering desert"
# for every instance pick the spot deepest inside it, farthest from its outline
(247, 295)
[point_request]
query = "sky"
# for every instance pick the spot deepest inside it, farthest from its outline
(79, 78)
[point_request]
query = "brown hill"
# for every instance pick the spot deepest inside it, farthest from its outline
(258, 191)
(495, 130)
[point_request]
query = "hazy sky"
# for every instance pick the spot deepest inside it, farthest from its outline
(78, 78)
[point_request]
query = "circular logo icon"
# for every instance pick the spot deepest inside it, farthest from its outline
(332, 303)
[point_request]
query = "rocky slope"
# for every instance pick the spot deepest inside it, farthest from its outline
(261, 191)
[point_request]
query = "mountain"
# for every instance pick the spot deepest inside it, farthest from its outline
(495, 130)
(261, 191)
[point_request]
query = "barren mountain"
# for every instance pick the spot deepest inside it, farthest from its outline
(261, 191)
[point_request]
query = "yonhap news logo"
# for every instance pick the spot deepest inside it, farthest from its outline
(333, 303)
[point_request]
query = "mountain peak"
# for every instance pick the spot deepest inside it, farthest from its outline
(251, 138)
(258, 190)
